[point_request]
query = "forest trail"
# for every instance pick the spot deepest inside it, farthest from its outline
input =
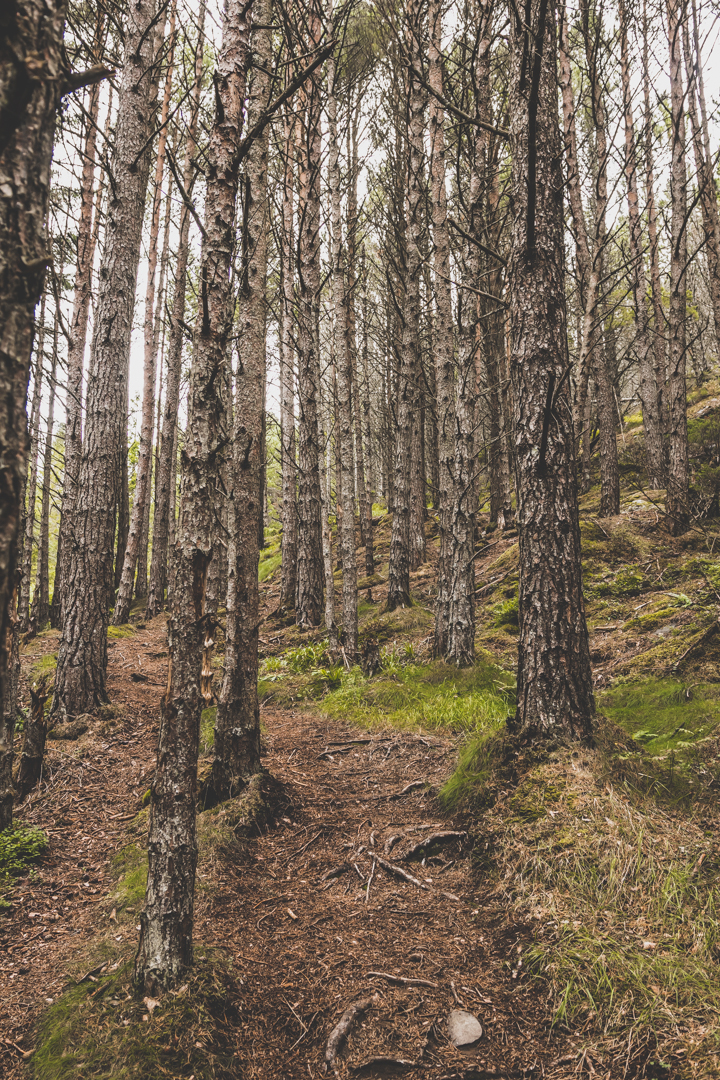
(303, 943)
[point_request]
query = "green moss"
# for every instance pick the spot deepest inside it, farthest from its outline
(120, 632)
(129, 866)
(651, 620)
(663, 715)
(506, 613)
(530, 801)
(207, 729)
(20, 847)
(104, 1029)
(43, 669)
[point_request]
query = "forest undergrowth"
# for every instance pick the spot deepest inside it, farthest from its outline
(599, 865)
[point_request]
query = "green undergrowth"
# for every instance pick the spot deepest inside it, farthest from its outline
(104, 1028)
(20, 847)
(621, 895)
(667, 717)
(270, 560)
(406, 694)
(117, 633)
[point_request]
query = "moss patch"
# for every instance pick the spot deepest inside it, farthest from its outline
(20, 847)
(116, 633)
(103, 1028)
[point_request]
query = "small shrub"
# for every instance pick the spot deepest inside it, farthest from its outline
(506, 613)
(20, 847)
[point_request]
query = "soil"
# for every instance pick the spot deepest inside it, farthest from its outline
(290, 908)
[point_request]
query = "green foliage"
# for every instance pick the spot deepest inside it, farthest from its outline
(663, 715)
(506, 613)
(270, 560)
(20, 847)
(104, 1029)
(306, 657)
(207, 729)
(117, 633)
(410, 695)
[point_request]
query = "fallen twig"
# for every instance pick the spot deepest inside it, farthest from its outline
(370, 880)
(434, 838)
(341, 1030)
(401, 980)
(399, 872)
(412, 786)
(381, 1062)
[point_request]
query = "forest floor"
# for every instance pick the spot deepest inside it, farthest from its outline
(577, 919)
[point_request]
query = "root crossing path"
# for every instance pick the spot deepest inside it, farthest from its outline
(329, 908)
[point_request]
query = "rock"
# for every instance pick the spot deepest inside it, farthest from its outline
(464, 1029)
(71, 731)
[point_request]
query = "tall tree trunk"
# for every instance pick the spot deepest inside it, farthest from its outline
(288, 581)
(444, 345)
(41, 597)
(647, 388)
(237, 725)
(23, 612)
(165, 948)
(82, 657)
(30, 92)
(659, 347)
(371, 481)
(308, 601)
(405, 544)
(555, 695)
(166, 465)
(677, 504)
(85, 255)
(144, 463)
(344, 414)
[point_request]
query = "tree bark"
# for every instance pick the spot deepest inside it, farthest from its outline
(165, 948)
(144, 463)
(82, 657)
(237, 724)
(164, 502)
(344, 415)
(31, 80)
(677, 502)
(555, 697)
(23, 613)
(308, 601)
(41, 597)
(648, 388)
(405, 543)
(288, 581)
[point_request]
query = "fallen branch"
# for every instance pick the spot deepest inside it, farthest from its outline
(383, 1062)
(370, 880)
(399, 872)
(434, 838)
(340, 1032)
(401, 980)
(710, 632)
(412, 786)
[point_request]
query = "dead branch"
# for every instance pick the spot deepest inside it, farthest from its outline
(342, 1029)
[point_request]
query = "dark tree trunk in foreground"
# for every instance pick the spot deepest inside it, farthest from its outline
(30, 91)
(678, 480)
(237, 725)
(82, 658)
(555, 695)
(166, 464)
(165, 949)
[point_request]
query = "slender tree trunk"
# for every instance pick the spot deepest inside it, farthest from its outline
(344, 413)
(144, 463)
(648, 388)
(86, 243)
(237, 726)
(30, 92)
(677, 503)
(165, 948)
(330, 624)
(659, 347)
(82, 657)
(288, 582)
(166, 465)
(308, 601)
(41, 597)
(405, 544)
(444, 345)
(555, 695)
(367, 426)
(23, 613)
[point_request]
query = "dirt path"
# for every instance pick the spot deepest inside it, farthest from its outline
(304, 941)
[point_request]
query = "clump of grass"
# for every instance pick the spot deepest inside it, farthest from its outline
(207, 729)
(505, 614)
(115, 633)
(20, 847)
(270, 560)
(665, 715)
(105, 1028)
(622, 896)
(412, 695)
